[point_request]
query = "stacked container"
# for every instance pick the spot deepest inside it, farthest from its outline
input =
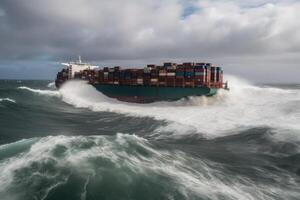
(179, 82)
(116, 77)
(208, 75)
(134, 75)
(188, 75)
(170, 75)
(219, 77)
(162, 76)
(147, 75)
(200, 74)
(105, 75)
(154, 77)
(213, 76)
(127, 76)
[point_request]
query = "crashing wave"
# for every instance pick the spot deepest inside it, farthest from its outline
(244, 106)
(105, 165)
(41, 92)
(51, 85)
(8, 100)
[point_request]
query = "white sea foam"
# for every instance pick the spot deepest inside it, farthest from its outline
(41, 92)
(244, 106)
(202, 178)
(51, 85)
(8, 99)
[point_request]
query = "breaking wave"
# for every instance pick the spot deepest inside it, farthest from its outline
(121, 166)
(8, 100)
(243, 107)
(241, 144)
(41, 92)
(51, 85)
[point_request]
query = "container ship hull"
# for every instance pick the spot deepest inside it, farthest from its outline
(169, 82)
(148, 94)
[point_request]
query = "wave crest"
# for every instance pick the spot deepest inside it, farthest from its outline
(40, 92)
(51, 85)
(91, 163)
(244, 106)
(8, 99)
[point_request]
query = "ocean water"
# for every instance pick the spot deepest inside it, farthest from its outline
(75, 143)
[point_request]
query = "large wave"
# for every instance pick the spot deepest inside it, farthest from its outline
(257, 163)
(41, 92)
(244, 106)
(120, 167)
(8, 100)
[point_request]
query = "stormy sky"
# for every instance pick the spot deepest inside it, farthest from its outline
(254, 39)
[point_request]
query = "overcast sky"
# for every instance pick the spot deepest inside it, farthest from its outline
(255, 39)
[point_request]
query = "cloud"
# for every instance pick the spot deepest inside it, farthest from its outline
(147, 30)
(137, 29)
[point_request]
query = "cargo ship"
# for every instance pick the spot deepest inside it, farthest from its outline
(168, 82)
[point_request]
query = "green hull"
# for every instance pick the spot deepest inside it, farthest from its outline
(146, 94)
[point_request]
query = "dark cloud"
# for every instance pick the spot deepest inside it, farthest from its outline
(139, 31)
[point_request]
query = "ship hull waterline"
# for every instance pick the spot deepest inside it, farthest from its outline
(148, 94)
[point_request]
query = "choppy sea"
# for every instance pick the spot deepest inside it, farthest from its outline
(75, 143)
